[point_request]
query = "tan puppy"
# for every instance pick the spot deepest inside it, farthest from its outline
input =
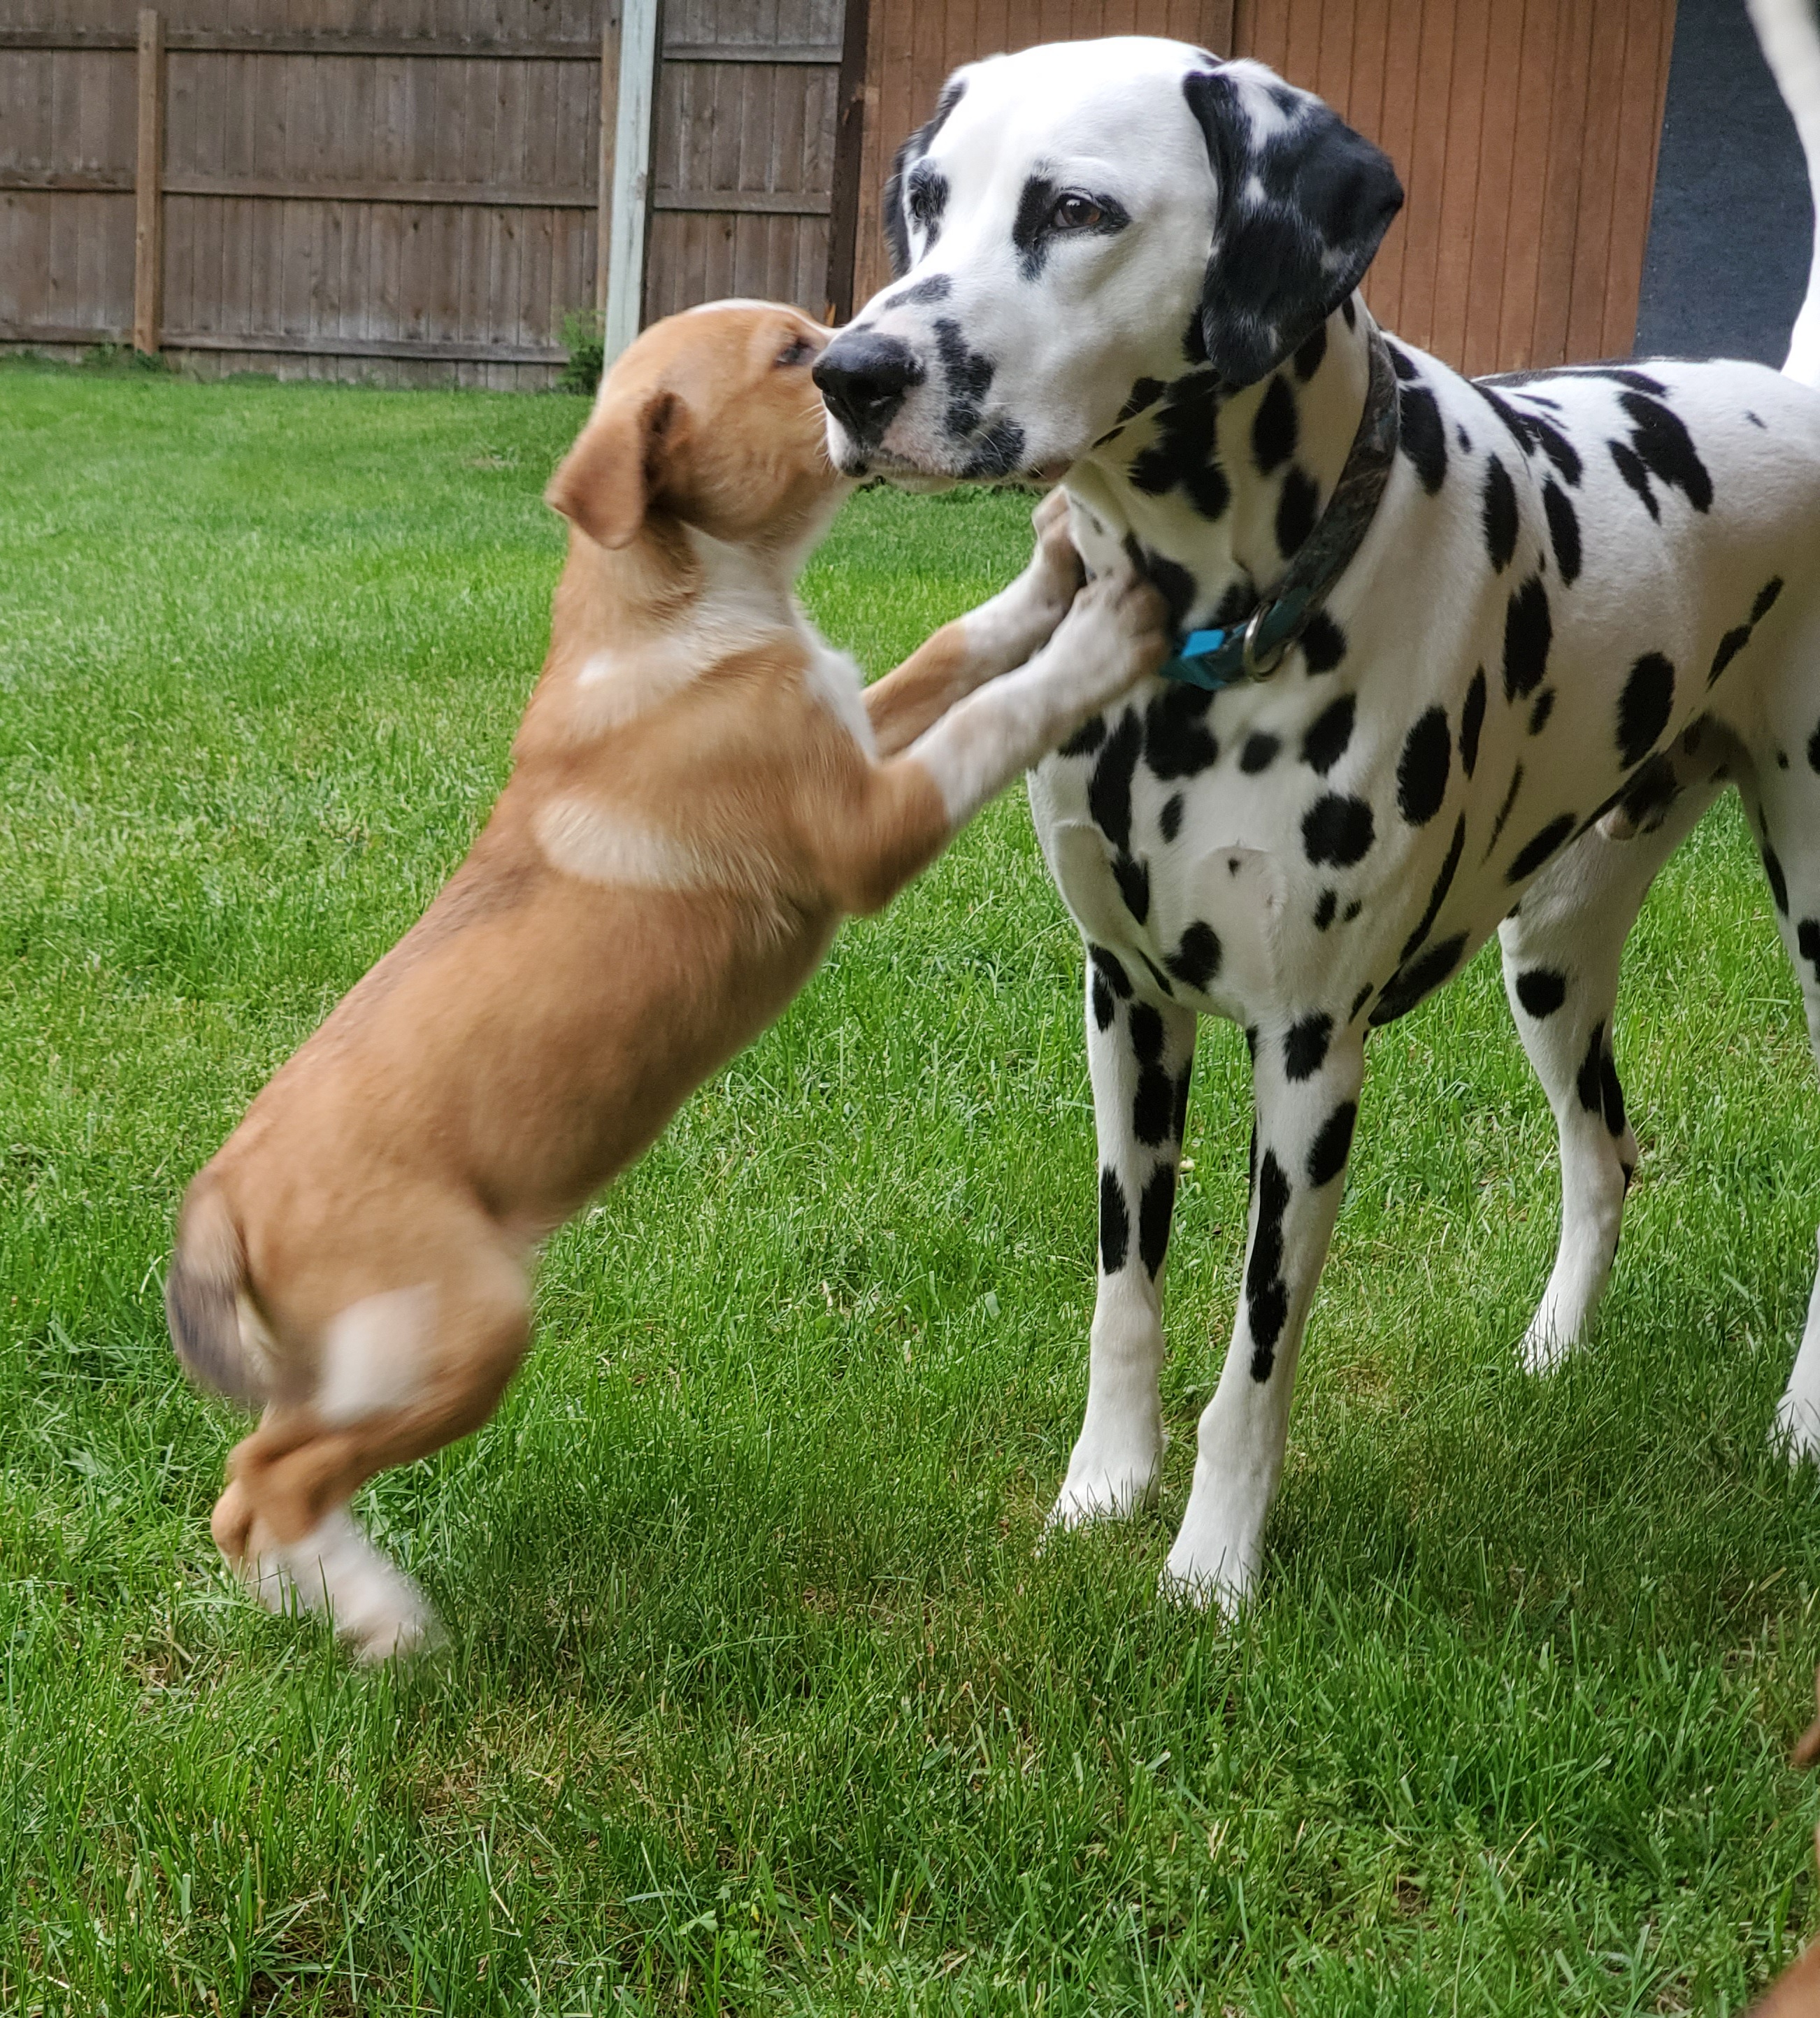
(700, 792)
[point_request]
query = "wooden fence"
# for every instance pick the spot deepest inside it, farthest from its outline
(421, 189)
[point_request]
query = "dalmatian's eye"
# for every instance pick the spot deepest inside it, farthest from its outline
(1074, 212)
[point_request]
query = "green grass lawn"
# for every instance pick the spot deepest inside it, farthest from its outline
(759, 1697)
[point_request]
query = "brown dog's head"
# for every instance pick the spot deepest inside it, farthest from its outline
(710, 418)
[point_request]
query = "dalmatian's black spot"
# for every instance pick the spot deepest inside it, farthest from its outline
(1807, 939)
(1109, 788)
(1424, 439)
(1504, 812)
(1498, 511)
(1338, 829)
(1151, 1106)
(1251, 1042)
(1107, 966)
(1177, 743)
(1531, 432)
(1086, 739)
(1145, 393)
(1537, 849)
(1323, 643)
(1169, 820)
(1631, 467)
(1648, 795)
(935, 287)
(1352, 911)
(1587, 1083)
(1172, 580)
(1643, 707)
(1754, 420)
(1766, 599)
(1304, 1048)
(1194, 340)
(1266, 1294)
(1412, 983)
(997, 453)
(1154, 1210)
(1101, 996)
(1464, 439)
(1778, 883)
(1437, 896)
(1422, 769)
(1259, 753)
(1307, 359)
(1563, 531)
(1541, 990)
(968, 374)
(1663, 445)
(1147, 1033)
(1298, 506)
(1236, 602)
(1730, 645)
(1324, 910)
(1351, 318)
(1328, 735)
(1359, 1002)
(1611, 1095)
(1132, 877)
(1184, 451)
(1781, 760)
(1332, 1144)
(928, 201)
(1275, 428)
(1529, 634)
(1814, 751)
(1115, 1223)
(1472, 717)
(1196, 960)
(1540, 710)
(1401, 364)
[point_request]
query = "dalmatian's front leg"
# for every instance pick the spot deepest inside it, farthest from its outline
(1306, 1075)
(1141, 1056)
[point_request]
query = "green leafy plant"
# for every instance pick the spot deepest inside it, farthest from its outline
(584, 339)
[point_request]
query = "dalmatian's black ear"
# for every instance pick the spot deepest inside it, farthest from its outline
(896, 202)
(1304, 202)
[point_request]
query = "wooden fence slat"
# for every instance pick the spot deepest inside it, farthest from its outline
(148, 248)
(609, 125)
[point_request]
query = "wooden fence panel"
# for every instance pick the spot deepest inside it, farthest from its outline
(742, 151)
(1525, 131)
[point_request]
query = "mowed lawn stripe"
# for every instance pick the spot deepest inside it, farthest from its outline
(762, 1697)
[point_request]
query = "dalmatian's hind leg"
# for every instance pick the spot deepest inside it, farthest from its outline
(1140, 1056)
(1561, 949)
(1787, 819)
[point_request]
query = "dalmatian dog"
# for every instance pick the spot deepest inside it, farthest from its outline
(1550, 617)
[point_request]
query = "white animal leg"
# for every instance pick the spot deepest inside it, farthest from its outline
(1141, 1057)
(1305, 1079)
(1561, 953)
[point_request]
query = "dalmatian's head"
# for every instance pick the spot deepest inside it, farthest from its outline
(1082, 217)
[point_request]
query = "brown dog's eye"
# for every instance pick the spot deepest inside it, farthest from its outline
(799, 350)
(1076, 213)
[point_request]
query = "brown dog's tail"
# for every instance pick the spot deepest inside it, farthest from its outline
(203, 1290)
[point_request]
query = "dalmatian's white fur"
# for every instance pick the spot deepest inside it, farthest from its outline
(1589, 599)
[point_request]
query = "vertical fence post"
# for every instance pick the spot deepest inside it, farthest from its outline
(608, 122)
(849, 147)
(631, 173)
(148, 245)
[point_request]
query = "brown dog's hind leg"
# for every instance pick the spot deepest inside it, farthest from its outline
(284, 1520)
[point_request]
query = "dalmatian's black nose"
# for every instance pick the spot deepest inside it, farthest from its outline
(863, 377)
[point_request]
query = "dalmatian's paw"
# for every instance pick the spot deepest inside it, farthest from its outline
(1222, 1594)
(1548, 1345)
(1797, 1433)
(1104, 1490)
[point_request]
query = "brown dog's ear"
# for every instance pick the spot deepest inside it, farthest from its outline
(621, 466)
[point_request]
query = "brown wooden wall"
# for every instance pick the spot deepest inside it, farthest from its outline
(1525, 131)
